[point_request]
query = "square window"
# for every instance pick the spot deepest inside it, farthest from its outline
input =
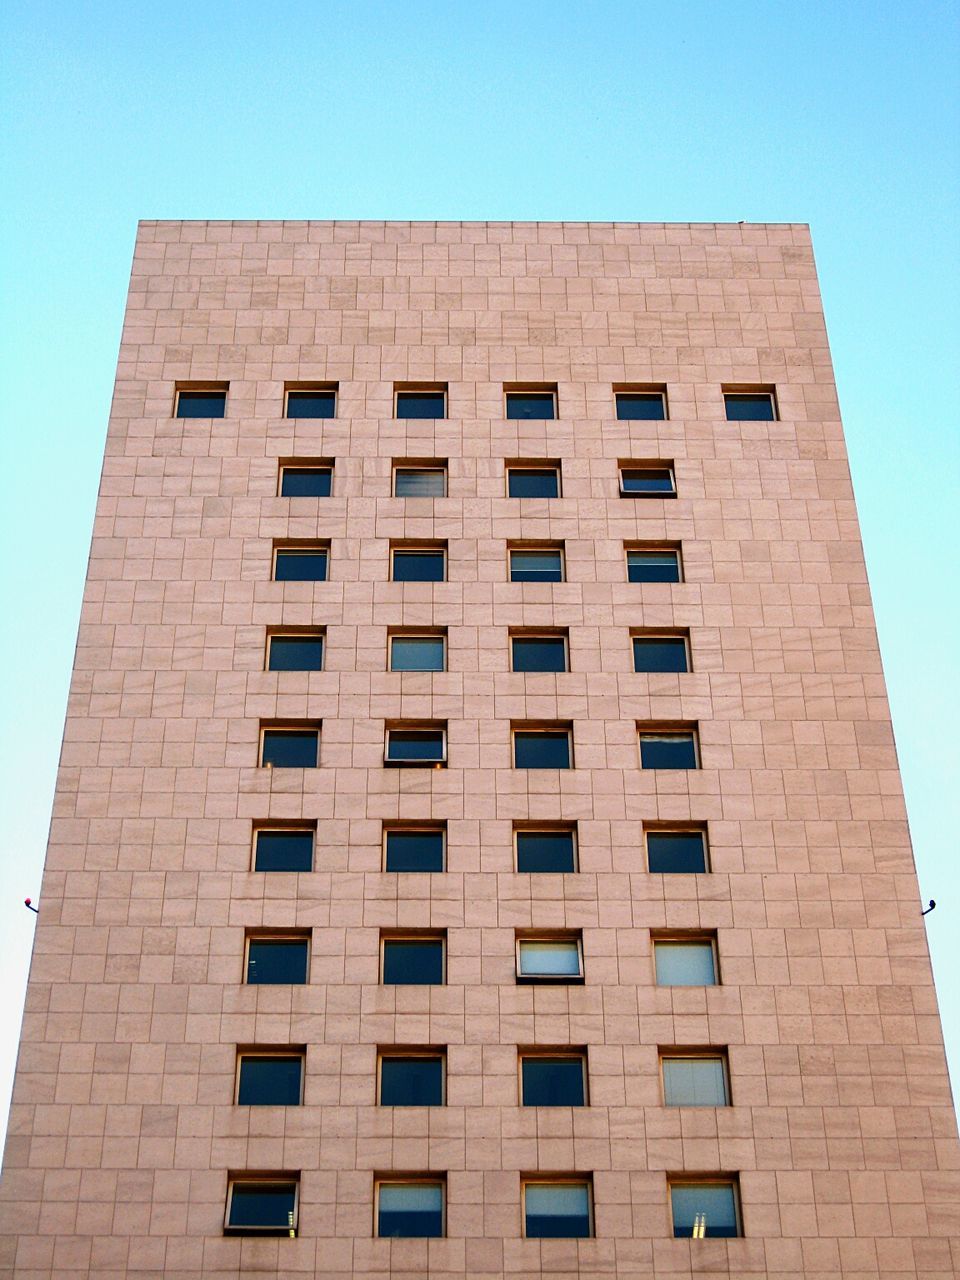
(541, 748)
(416, 747)
(306, 482)
(702, 1210)
(676, 852)
(685, 962)
(553, 1080)
(283, 849)
(414, 961)
(750, 406)
(300, 564)
(660, 653)
(262, 1206)
(418, 564)
(549, 960)
(531, 404)
(422, 404)
(410, 1209)
(695, 1080)
(546, 851)
(301, 652)
(536, 566)
(417, 653)
(202, 403)
(290, 748)
(269, 1079)
(411, 1079)
(641, 406)
(414, 849)
(277, 961)
(556, 1210)
(668, 750)
(539, 653)
(311, 402)
(419, 482)
(647, 480)
(653, 565)
(533, 481)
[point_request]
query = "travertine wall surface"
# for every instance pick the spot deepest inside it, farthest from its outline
(123, 1126)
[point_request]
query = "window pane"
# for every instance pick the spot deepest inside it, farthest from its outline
(659, 653)
(643, 480)
(301, 566)
(311, 404)
(284, 851)
(749, 406)
(290, 748)
(418, 566)
(306, 482)
(669, 852)
(262, 1204)
(411, 1082)
(416, 653)
(634, 406)
(414, 851)
(201, 404)
(296, 653)
(536, 566)
(694, 1082)
(667, 751)
(653, 566)
(545, 851)
(415, 744)
(269, 1081)
(410, 1209)
(421, 404)
(411, 482)
(539, 653)
(531, 483)
(552, 1082)
(531, 404)
(685, 964)
(412, 961)
(710, 1206)
(541, 750)
(557, 1209)
(276, 960)
(549, 959)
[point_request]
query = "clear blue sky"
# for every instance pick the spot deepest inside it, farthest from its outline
(844, 115)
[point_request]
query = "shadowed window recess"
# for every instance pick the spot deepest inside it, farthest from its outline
(295, 652)
(413, 961)
(311, 402)
(558, 959)
(694, 1080)
(283, 748)
(538, 404)
(704, 1210)
(641, 406)
(420, 481)
(677, 852)
(417, 653)
(413, 746)
(653, 565)
(533, 481)
(668, 749)
(536, 565)
(202, 403)
(415, 849)
(410, 1209)
(750, 406)
(541, 748)
(661, 653)
(685, 962)
(426, 403)
(262, 1206)
(647, 480)
(283, 849)
(269, 1080)
(539, 653)
(301, 564)
(418, 564)
(306, 482)
(557, 1210)
(411, 1079)
(553, 1080)
(546, 851)
(277, 961)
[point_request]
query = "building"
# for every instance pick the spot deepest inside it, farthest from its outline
(478, 846)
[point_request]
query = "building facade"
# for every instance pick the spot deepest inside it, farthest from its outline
(478, 846)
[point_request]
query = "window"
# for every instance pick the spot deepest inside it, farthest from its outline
(417, 653)
(539, 653)
(413, 849)
(759, 405)
(540, 565)
(270, 1079)
(533, 403)
(557, 1210)
(425, 402)
(411, 1209)
(302, 480)
(262, 1205)
(647, 480)
(416, 746)
(705, 1209)
(553, 1079)
(546, 850)
(290, 748)
(550, 959)
(694, 1079)
(647, 404)
(653, 564)
(417, 960)
(686, 962)
(411, 1079)
(533, 480)
(541, 748)
(311, 402)
(672, 852)
(661, 653)
(668, 749)
(418, 564)
(301, 564)
(201, 402)
(420, 481)
(283, 848)
(295, 651)
(277, 960)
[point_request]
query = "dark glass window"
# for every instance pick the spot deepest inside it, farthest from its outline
(536, 566)
(417, 653)
(680, 963)
(306, 482)
(312, 404)
(704, 1209)
(668, 751)
(647, 482)
(541, 749)
(539, 653)
(653, 566)
(283, 850)
(533, 482)
(290, 748)
(553, 1082)
(411, 1081)
(555, 1210)
(695, 1080)
(419, 482)
(425, 565)
(307, 565)
(270, 1081)
(660, 653)
(262, 1206)
(414, 850)
(415, 746)
(531, 404)
(421, 404)
(546, 851)
(273, 961)
(635, 406)
(672, 852)
(296, 653)
(413, 1210)
(749, 406)
(412, 961)
(201, 404)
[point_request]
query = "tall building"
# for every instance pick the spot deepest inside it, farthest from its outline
(478, 847)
